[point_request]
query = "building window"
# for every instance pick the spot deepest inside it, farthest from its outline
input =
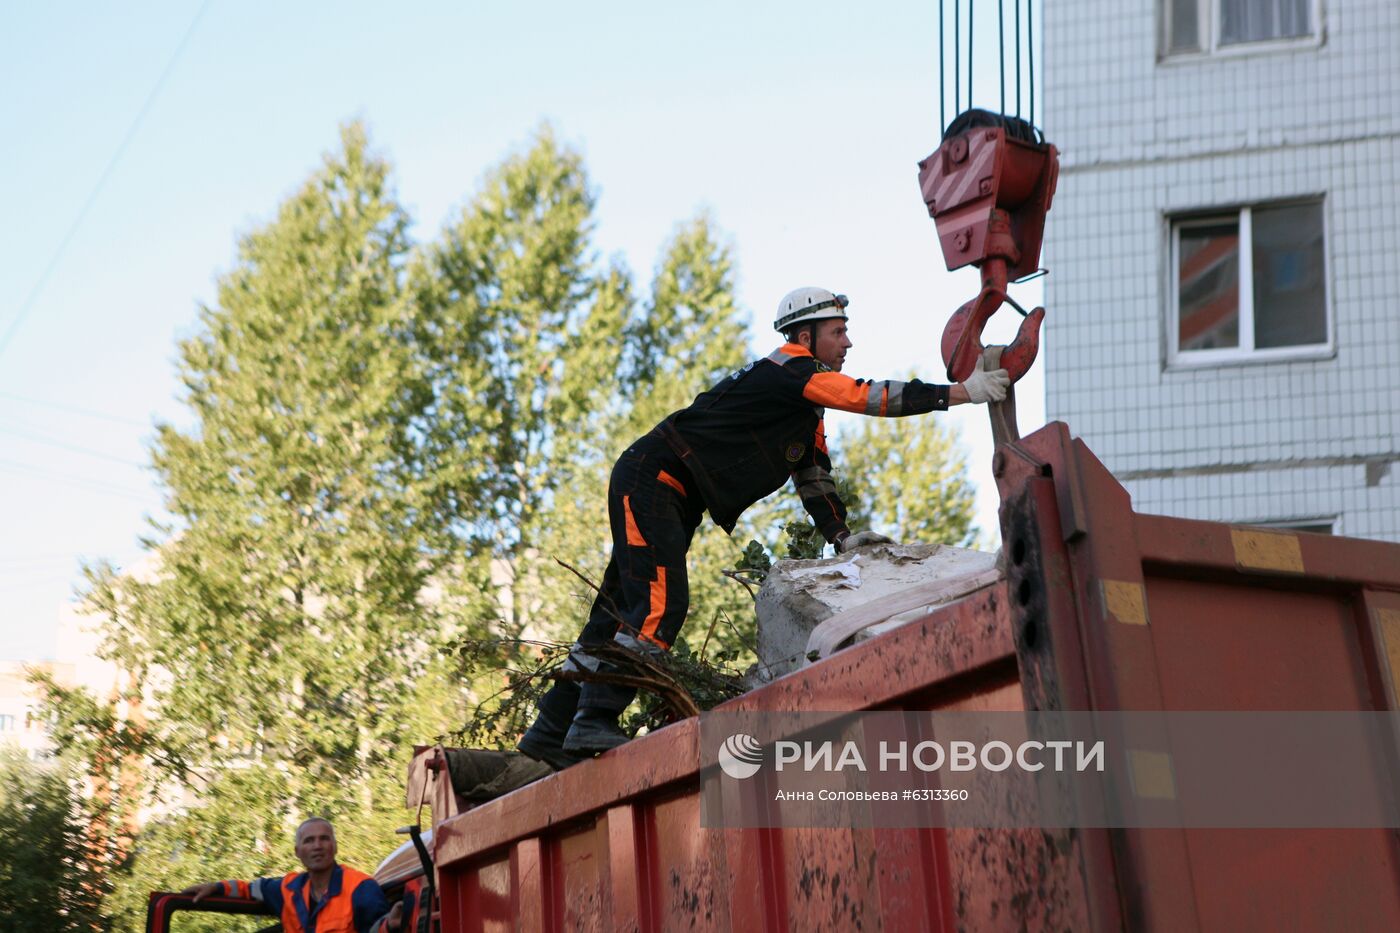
(7, 722)
(1248, 284)
(1208, 26)
(1317, 526)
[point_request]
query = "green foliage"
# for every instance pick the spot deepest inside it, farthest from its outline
(306, 528)
(907, 478)
(755, 558)
(709, 680)
(48, 882)
(282, 654)
(510, 676)
(804, 541)
(520, 332)
(391, 448)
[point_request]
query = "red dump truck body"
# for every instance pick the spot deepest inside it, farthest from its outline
(1101, 608)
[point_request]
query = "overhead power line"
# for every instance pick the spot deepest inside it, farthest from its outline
(28, 304)
(74, 448)
(14, 467)
(76, 410)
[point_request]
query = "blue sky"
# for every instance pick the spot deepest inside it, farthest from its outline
(129, 172)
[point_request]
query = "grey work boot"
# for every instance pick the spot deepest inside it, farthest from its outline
(542, 745)
(544, 740)
(593, 731)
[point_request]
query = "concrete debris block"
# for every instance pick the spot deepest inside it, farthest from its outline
(799, 595)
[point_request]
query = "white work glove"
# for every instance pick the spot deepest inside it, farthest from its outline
(860, 539)
(983, 386)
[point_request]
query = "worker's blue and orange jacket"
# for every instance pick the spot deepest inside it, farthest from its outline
(743, 438)
(354, 902)
(417, 912)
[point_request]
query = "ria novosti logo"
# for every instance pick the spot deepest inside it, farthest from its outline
(740, 756)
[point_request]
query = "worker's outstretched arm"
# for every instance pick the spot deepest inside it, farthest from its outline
(267, 890)
(884, 398)
(890, 398)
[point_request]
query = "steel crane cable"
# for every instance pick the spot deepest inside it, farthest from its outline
(1021, 41)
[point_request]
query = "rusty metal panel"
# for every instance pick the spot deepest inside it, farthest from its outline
(630, 876)
(1101, 608)
(1159, 613)
(1241, 643)
(913, 880)
(688, 876)
(465, 907)
(829, 874)
(577, 866)
(1230, 647)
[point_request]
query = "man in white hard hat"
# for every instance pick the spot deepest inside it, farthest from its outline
(735, 444)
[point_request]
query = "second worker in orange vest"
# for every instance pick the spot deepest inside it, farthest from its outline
(326, 898)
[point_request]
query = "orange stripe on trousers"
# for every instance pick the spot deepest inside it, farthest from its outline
(671, 481)
(634, 534)
(658, 606)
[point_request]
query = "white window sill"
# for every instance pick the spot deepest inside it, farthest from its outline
(1220, 359)
(1241, 50)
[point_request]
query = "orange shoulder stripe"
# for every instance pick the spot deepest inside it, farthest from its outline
(833, 390)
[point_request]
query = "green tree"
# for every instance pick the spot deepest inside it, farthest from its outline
(288, 597)
(907, 478)
(520, 331)
(48, 883)
(284, 641)
(544, 369)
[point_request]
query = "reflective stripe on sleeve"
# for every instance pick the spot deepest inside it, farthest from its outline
(234, 888)
(875, 402)
(894, 399)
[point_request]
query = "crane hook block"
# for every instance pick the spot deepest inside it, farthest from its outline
(962, 341)
(988, 188)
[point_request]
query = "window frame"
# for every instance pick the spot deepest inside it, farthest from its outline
(1246, 352)
(1302, 525)
(1208, 37)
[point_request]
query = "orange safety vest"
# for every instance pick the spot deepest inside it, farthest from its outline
(349, 891)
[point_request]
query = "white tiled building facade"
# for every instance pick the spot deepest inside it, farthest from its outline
(1224, 247)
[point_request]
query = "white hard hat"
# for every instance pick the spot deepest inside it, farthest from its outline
(809, 304)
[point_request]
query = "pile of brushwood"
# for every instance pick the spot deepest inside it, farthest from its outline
(672, 685)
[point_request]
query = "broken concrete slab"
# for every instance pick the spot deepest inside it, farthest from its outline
(891, 583)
